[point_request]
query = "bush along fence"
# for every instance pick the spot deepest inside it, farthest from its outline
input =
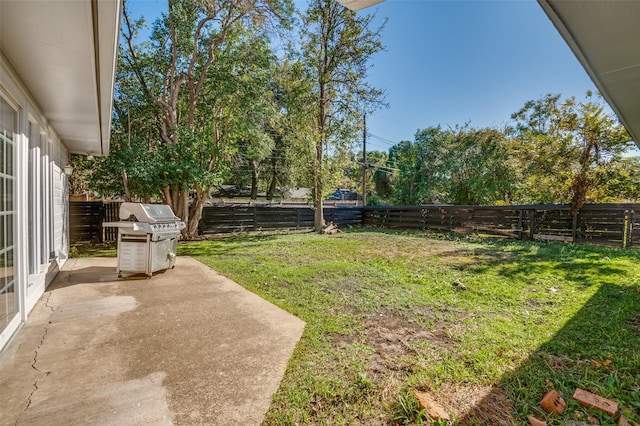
(599, 224)
(616, 225)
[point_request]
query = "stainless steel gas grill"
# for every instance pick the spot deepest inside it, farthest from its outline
(147, 238)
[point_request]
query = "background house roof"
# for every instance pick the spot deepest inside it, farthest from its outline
(605, 37)
(65, 53)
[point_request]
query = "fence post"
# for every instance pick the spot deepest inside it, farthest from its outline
(532, 223)
(574, 226)
(255, 218)
(521, 224)
(632, 219)
(628, 229)
(103, 214)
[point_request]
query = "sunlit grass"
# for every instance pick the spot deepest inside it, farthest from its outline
(383, 317)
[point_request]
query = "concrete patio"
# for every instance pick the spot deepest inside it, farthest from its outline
(187, 346)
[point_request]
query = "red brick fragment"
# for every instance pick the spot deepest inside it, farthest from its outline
(591, 400)
(553, 403)
(535, 422)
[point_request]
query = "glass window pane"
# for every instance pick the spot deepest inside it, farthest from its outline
(3, 169)
(3, 310)
(2, 270)
(33, 135)
(9, 267)
(3, 194)
(9, 228)
(3, 283)
(8, 117)
(3, 240)
(9, 159)
(9, 194)
(11, 302)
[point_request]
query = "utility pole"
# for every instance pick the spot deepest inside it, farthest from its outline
(364, 160)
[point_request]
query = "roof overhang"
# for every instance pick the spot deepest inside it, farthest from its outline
(605, 37)
(358, 4)
(64, 51)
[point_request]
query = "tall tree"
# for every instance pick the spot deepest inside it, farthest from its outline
(336, 46)
(458, 166)
(620, 182)
(424, 167)
(564, 145)
(483, 167)
(174, 70)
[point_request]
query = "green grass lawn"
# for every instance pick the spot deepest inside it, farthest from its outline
(383, 318)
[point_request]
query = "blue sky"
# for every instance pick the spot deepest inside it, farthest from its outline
(451, 62)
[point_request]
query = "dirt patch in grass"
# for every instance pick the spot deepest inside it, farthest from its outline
(478, 404)
(344, 340)
(391, 337)
(390, 334)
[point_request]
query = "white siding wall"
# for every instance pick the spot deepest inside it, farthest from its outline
(61, 204)
(41, 206)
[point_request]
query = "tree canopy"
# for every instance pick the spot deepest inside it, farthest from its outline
(554, 151)
(214, 96)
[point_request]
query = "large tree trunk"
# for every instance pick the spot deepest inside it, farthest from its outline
(125, 182)
(195, 212)
(318, 216)
(274, 180)
(581, 183)
(255, 172)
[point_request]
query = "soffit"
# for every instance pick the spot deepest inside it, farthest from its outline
(67, 67)
(605, 37)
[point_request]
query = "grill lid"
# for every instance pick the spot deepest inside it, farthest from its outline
(150, 213)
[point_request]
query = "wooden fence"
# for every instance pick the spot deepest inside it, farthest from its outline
(240, 218)
(615, 225)
(85, 221)
(235, 202)
(600, 224)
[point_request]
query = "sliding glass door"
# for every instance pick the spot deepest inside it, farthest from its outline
(8, 129)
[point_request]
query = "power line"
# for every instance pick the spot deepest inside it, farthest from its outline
(383, 140)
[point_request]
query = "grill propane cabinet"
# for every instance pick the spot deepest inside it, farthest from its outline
(147, 238)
